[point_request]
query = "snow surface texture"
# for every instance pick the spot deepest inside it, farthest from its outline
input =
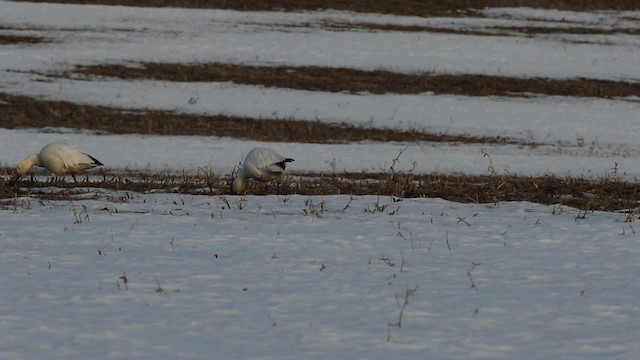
(165, 276)
(298, 277)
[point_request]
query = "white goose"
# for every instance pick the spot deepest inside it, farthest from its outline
(260, 164)
(59, 158)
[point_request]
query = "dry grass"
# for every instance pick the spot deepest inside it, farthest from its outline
(20, 39)
(604, 194)
(398, 7)
(358, 81)
(488, 31)
(26, 112)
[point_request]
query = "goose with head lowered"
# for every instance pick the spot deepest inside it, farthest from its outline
(260, 164)
(60, 159)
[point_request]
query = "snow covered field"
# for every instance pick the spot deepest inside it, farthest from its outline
(312, 278)
(168, 276)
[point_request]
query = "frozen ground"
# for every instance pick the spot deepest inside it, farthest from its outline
(322, 277)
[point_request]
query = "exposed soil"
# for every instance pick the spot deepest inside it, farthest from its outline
(20, 39)
(604, 194)
(398, 7)
(360, 81)
(25, 112)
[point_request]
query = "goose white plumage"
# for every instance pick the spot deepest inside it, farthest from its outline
(262, 165)
(60, 159)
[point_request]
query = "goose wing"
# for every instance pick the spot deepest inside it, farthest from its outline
(262, 158)
(62, 158)
(265, 163)
(277, 168)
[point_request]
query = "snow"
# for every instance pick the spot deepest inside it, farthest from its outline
(315, 277)
(273, 280)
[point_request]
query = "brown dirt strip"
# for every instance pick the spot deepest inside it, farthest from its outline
(604, 194)
(336, 26)
(25, 112)
(20, 39)
(358, 81)
(398, 7)
(489, 31)
(576, 30)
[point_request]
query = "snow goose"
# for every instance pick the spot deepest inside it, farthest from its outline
(59, 158)
(260, 164)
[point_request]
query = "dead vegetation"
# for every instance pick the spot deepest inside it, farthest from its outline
(361, 81)
(487, 31)
(20, 39)
(25, 112)
(603, 194)
(398, 7)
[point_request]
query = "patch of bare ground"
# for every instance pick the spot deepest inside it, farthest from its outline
(361, 81)
(606, 194)
(575, 30)
(398, 7)
(488, 31)
(26, 112)
(20, 39)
